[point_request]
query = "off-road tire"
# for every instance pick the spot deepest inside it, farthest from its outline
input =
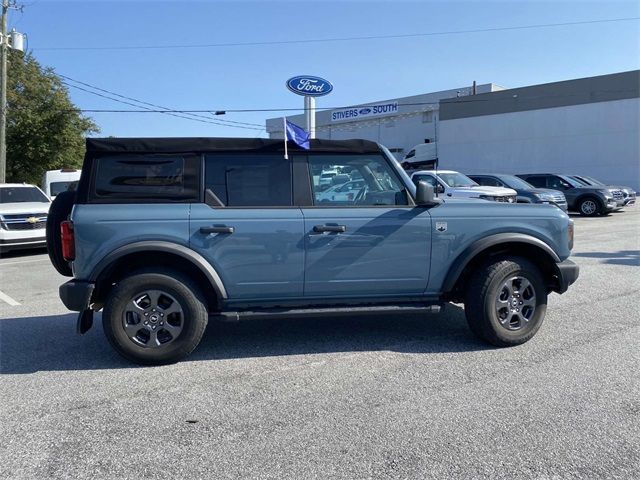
(173, 283)
(59, 211)
(482, 293)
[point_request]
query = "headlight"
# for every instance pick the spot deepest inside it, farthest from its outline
(543, 197)
(487, 197)
(606, 193)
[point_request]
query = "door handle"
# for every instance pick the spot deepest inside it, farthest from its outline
(330, 228)
(217, 229)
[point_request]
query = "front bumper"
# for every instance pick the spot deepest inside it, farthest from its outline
(567, 273)
(76, 294)
(19, 243)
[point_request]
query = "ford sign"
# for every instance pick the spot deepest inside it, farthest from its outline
(308, 85)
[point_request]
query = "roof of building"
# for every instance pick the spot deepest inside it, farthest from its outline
(603, 88)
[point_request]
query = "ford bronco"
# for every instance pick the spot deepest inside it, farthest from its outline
(163, 233)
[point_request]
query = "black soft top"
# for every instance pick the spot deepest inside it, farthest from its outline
(102, 146)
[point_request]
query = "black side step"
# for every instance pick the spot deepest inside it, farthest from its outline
(233, 316)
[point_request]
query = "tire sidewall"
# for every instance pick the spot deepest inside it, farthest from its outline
(597, 211)
(194, 317)
(523, 269)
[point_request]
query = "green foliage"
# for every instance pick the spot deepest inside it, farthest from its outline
(45, 130)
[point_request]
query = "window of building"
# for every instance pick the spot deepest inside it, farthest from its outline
(249, 180)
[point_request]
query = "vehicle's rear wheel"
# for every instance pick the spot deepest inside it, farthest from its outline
(506, 301)
(590, 207)
(155, 318)
(59, 211)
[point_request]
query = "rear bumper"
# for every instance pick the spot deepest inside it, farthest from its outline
(568, 273)
(76, 294)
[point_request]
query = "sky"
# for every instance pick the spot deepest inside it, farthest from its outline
(253, 77)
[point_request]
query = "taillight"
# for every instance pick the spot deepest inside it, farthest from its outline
(67, 240)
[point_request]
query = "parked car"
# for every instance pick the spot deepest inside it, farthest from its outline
(326, 177)
(346, 192)
(586, 200)
(526, 193)
(56, 181)
(628, 193)
(456, 185)
(23, 216)
(162, 240)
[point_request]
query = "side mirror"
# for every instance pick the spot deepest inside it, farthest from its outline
(439, 189)
(425, 196)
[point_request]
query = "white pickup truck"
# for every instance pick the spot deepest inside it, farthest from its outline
(456, 185)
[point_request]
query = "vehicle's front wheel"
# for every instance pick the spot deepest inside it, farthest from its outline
(590, 207)
(155, 318)
(506, 301)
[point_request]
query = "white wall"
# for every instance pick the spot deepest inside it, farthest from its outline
(597, 139)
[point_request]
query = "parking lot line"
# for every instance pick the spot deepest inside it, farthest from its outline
(7, 299)
(2, 264)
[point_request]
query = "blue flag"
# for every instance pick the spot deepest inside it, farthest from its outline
(297, 134)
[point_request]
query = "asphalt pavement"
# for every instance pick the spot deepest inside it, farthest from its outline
(404, 396)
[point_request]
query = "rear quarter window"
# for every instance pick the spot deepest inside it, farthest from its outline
(149, 178)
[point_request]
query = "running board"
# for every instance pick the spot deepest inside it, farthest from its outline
(322, 312)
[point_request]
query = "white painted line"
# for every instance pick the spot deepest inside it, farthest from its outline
(2, 264)
(7, 299)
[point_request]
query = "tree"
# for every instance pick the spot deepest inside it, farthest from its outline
(45, 130)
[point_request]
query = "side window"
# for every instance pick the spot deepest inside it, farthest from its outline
(369, 181)
(157, 178)
(537, 181)
(249, 180)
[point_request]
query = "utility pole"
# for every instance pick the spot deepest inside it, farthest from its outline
(3, 93)
(17, 42)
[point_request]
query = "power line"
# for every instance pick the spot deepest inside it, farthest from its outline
(174, 113)
(147, 103)
(346, 39)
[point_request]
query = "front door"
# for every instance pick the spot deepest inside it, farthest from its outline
(248, 229)
(369, 244)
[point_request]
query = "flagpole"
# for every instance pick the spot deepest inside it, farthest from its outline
(284, 131)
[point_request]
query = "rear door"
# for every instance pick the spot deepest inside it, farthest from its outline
(248, 229)
(369, 244)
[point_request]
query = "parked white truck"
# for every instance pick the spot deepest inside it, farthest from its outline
(456, 185)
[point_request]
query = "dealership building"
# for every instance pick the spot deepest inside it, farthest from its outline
(588, 125)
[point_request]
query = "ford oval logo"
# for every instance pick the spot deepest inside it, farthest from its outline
(364, 111)
(309, 85)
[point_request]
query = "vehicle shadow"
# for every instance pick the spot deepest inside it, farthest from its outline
(23, 253)
(622, 257)
(49, 343)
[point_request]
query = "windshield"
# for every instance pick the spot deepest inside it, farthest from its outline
(582, 180)
(456, 180)
(21, 195)
(593, 181)
(512, 181)
(572, 181)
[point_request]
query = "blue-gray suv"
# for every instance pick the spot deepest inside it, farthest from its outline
(163, 233)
